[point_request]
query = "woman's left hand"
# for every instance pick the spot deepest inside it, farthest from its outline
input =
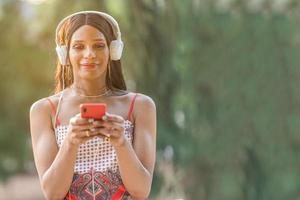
(112, 127)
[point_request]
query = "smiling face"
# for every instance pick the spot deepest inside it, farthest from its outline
(88, 36)
(88, 53)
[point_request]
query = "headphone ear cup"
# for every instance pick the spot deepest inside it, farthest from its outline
(62, 54)
(116, 49)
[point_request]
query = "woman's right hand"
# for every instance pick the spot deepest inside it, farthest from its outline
(80, 130)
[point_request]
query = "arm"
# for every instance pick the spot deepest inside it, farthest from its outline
(136, 163)
(55, 166)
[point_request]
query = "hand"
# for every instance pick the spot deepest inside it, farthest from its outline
(112, 127)
(80, 130)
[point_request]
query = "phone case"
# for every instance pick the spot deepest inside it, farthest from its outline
(92, 110)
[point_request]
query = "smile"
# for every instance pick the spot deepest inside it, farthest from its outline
(89, 65)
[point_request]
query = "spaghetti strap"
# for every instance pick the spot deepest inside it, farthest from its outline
(54, 112)
(131, 107)
(53, 108)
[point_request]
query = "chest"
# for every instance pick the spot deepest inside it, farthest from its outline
(70, 108)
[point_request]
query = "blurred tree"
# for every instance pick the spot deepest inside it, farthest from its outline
(224, 76)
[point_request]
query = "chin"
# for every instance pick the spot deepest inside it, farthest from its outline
(92, 75)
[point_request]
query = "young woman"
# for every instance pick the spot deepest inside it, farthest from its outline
(80, 158)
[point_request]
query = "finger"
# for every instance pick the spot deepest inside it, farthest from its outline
(86, 133)
(111, 132)
(80, 121)
(78, 128)
(117, 127)
(98, 123)
(112, 117)
(109, 124)
(102, 132)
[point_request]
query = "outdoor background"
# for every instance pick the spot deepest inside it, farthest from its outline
(224, 75)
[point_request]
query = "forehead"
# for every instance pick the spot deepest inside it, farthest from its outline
(86, 33)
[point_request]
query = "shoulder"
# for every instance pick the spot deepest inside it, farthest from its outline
(39, 106)
(144, 104)
(43, 105)
(144, 100)
(140, 99)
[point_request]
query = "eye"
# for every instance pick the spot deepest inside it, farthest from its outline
(78, 46)
(100, 46)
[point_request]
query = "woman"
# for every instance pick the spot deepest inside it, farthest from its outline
(79, 158)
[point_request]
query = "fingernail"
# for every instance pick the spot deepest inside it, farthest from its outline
(104, 117)
(91, 120)
(92, 129)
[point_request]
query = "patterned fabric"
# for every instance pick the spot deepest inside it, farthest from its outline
(107, 185)
(105, 156)
(96, 157)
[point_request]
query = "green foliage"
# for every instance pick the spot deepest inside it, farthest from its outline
(224, 79)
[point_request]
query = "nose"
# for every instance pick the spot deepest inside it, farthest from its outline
(89, 52)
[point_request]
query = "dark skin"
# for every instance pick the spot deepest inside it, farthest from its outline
(89, 56)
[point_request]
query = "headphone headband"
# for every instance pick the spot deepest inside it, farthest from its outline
(113, 23)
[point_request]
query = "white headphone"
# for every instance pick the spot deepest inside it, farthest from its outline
(115, 47)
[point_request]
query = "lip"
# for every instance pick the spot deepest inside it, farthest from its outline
(89, 65)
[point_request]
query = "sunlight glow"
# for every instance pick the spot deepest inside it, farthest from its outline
(36, 2)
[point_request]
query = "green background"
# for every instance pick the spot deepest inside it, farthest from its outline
(224, 76)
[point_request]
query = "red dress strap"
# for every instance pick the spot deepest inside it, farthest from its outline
(53, 108)
(131, 107)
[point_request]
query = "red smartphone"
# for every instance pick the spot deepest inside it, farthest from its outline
(92, 110)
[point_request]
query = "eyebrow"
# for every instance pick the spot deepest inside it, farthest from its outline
(93, 40)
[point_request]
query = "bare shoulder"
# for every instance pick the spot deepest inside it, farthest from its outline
(144, 100)
(42, 106)
(144, 104)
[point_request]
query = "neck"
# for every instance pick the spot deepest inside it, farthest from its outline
(89, 88)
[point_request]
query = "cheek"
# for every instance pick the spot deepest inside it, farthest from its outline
(105, 53)
(73, 56)
(104, 56)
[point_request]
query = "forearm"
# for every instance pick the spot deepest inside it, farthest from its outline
(57, 179)
(136, 178)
